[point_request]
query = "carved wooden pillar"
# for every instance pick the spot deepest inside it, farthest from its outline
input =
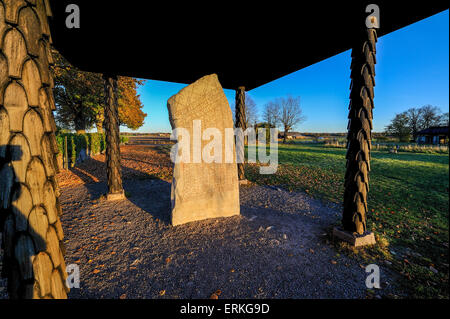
(240, 122)
(115, 189)
(29, 207)
(359, 133)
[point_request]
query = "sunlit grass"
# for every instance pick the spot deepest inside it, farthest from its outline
(408, 203)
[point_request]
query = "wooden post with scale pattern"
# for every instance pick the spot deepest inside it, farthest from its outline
(29, 207)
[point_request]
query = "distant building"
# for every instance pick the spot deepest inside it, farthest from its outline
(291, 135)
(164, 134)
(433, 135)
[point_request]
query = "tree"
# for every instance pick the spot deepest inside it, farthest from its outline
(130, 106)
(271, 114)
(399, 127)
(429, 116)
(78, 95)
(414, 118)
(79, 98)
(251, 112)
(443, 119)
(291, 114)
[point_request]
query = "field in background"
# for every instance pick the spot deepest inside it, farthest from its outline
(408, 204)
(379, 141)
(396, 147)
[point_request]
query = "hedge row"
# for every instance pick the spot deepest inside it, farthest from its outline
(90, 143)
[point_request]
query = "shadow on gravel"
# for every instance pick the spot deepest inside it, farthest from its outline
(152, 197)
(277, 248)
(94, 171)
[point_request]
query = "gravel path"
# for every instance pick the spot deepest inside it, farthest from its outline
(277, 248)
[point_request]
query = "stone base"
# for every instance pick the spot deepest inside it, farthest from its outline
(225, 204)
(243, 182)
(354, 239)
(116, 196)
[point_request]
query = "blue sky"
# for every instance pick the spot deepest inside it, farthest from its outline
(412, 70)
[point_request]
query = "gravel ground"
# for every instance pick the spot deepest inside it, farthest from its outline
(277, 248)
(3, 282)
(137, 161)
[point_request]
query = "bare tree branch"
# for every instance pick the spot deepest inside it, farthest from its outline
(290, 113)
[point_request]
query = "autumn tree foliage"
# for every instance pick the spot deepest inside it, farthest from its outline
(78, 95)
(130, 106)
(79, 98)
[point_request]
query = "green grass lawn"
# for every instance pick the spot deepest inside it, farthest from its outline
(408, 206)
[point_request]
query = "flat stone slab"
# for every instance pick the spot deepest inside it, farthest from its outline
(354, 239)
(202, 190)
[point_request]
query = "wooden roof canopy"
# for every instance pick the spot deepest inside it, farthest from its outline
(245, 44)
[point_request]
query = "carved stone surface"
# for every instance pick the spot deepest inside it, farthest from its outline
(203, 190)
(32, 233)
(359, 133)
